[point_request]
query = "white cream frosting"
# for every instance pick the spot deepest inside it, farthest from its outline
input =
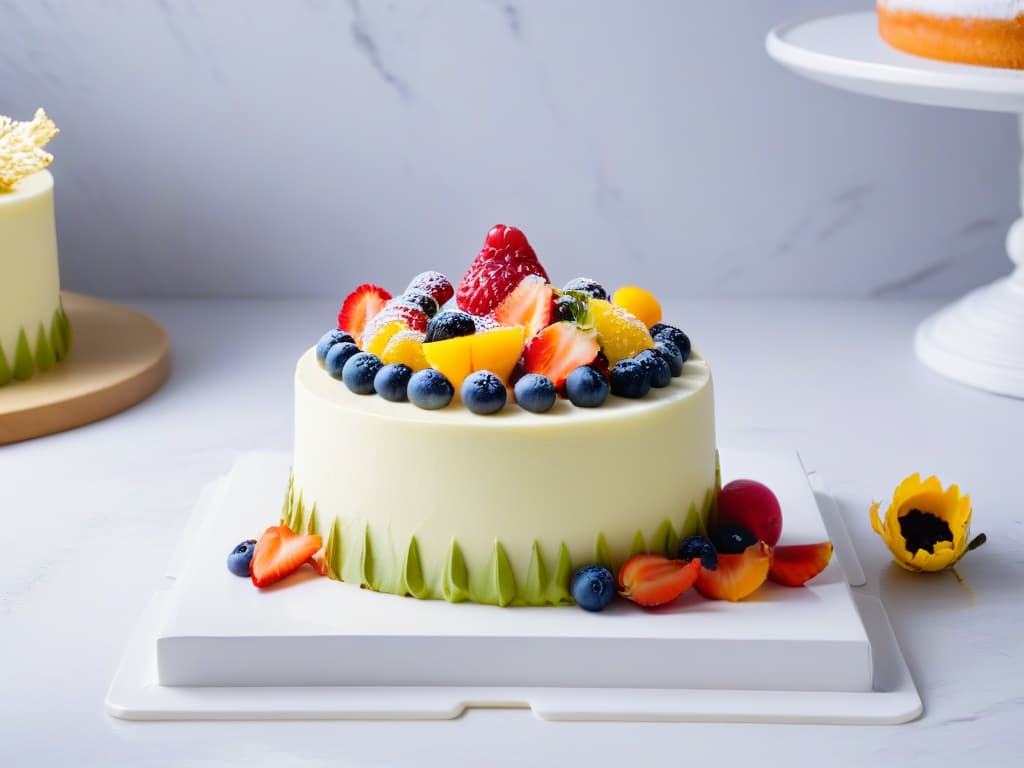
(513, 477)
(29, 277)
(979, 9)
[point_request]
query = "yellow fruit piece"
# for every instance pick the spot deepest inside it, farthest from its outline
(452, 357)
(377, 342)
(498, 350)
(619, 333)
(406, 347)
(639, 303)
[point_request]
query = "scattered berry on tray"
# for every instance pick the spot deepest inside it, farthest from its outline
(796, 564)
(738, 575)
(327, 341)
(240, 557)
(752, 506)
(483, 393)
(629, 378)
(592, 288)
(640, 303)
(651, 580)
(731, 539)
(586, 387)
(699, 548)
(592, 587)
(361, 306)
(360, 371)
(535, 393)
(392, 382)
(434, 284)
(279, 552)
(505, 259)
(664, 332)
(450, 324)
(657, 368)
(337, 356)
(430, 389)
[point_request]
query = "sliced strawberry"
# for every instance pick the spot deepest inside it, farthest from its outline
(360, 307)
(528, 305)
(319, 562)
(796, 564)
(501, 265)
(280, 552)
(414, 317)
(650, 580)
(560, 349)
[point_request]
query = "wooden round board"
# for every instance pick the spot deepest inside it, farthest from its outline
(118, 358)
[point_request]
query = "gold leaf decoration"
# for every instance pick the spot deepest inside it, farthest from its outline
(21, 148)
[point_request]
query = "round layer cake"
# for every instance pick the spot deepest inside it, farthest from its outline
(34, 333)
(500, 509)
(984, 32)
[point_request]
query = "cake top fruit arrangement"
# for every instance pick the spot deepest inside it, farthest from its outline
(505, 334)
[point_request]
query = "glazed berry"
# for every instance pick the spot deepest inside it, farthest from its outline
(240, 557)
(661, 374)
(564, 308)
(535, 393)
(630, 379)
(392, 382)
(327, 341)
(505, 259)
(663, 332)
(670, 354)
(585, 285)
(337, 356)
(699, 547)
(422, 301)
(483, 392)
(360, 371)
(449, 325)
(731, 539)
(585, 387)
(434, 284)
(430, 389)
(592, 587)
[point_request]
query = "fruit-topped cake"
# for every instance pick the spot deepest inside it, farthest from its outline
(985, 32)
(34, 332)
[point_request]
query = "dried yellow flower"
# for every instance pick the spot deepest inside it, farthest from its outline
(21, 148)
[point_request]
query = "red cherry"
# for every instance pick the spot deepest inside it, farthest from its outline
(752, 505)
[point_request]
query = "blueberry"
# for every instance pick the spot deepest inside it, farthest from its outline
(240, 557)
(392, 382)
(430, 389)
(569, 307)
(585, 285)
(448, 325)
(592, 587)
(663, 332)
(327, 341)
(699, 546)
(535, 393)
(360, 371)
(731, 539)
(337, 356)
(421, 301)
(483, 392)
(670, 354)
(630, 379)
(586, 387)
(661, 374)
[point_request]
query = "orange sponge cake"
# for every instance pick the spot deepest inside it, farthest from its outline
(984, 32)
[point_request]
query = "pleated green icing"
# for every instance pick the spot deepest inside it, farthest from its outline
(50, 347)
(356, 553)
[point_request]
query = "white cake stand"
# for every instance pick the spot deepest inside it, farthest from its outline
(978, 340)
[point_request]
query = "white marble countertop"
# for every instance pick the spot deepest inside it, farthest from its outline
(91, 516)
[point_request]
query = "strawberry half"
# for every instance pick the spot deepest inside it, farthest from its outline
(279, 552)
(560, 349)
(651, 580)
(528, 305)
(501, 265)
(359, 308)
(796, 564)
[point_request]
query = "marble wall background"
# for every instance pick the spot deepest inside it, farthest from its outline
(264, 147)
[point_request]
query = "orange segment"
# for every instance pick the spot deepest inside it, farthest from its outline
(406, 347)
(382, 335)
(619, 332)
(452, 357)
(640, 303)
(498, 351)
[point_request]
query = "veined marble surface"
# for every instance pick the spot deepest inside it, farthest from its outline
(261, 148)
(91, 517)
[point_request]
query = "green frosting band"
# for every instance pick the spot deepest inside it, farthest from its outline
(385, 565)
(51, 346)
